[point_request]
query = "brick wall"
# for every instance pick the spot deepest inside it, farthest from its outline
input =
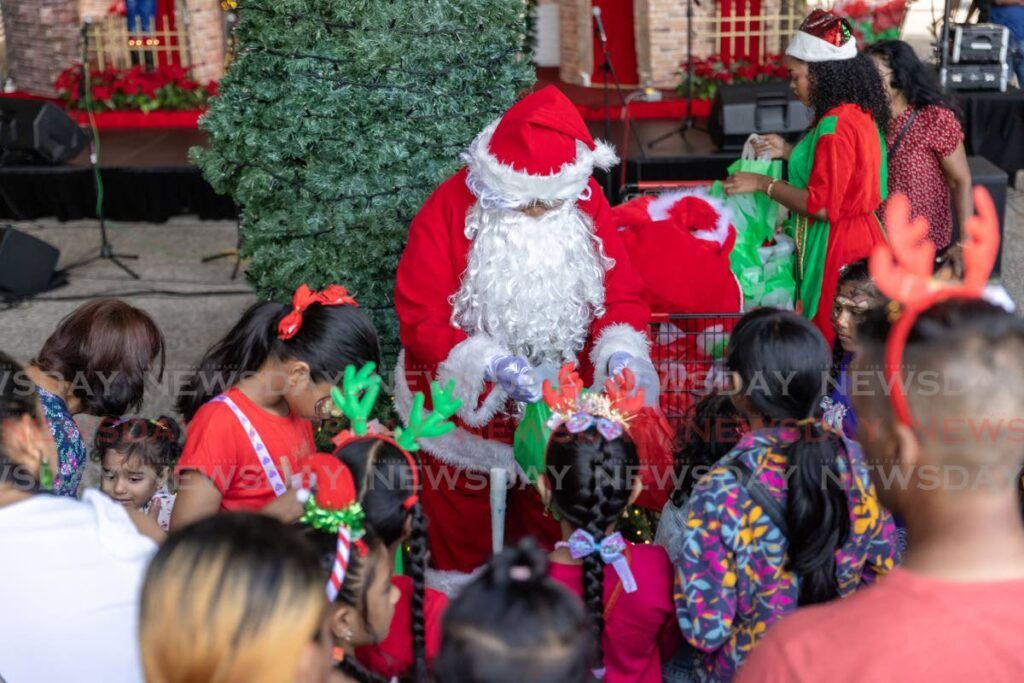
(206, 38)
(576, 63)
(42, 40)
(93, 8)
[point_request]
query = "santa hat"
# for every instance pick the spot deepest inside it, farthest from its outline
(539, 151)
(823, 37)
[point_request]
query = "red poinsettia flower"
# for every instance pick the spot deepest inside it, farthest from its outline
(101, 93)
(212, 88)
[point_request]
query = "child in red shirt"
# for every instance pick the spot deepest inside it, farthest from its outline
(591, 467)
(276, 367)
(387, 478)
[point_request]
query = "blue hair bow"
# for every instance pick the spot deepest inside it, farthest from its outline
(582, 544)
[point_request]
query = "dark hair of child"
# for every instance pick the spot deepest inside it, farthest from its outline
(595, 481)
(156, 443)
(711, 430)
(514, 623)
(104, 349)
(359, 576)
(782, 361)
(948, 333)
(330, 339)
(385, 482)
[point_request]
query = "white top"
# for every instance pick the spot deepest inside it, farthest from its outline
(70, 577)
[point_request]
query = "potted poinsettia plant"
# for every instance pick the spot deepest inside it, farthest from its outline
(166, 88)
(711, 72)
(873, 20)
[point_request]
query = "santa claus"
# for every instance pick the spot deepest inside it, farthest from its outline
(512, 268)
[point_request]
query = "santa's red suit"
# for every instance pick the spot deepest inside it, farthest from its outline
(480, 279)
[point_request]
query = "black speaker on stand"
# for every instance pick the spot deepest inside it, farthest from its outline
(36, 132)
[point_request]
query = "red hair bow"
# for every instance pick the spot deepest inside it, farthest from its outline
(332, 295)
(902, 270)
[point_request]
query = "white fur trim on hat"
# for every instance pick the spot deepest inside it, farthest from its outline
(495, 183)
(659, 208)
(614, 338)
(808, 48)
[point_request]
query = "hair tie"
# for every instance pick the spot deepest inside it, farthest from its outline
(520, 573)
(304, 297)
(611, 548)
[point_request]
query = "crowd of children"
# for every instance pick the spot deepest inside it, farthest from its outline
(774, 518)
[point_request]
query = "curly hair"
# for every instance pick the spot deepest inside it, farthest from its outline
(848, 81)
(912, 77)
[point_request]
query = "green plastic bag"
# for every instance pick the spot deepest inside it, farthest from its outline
(754, 216)
(531, 440)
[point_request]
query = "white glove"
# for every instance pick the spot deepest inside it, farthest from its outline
(644, 372)
(516, 377)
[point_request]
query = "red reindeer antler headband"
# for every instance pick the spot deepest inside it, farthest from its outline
(902, 270)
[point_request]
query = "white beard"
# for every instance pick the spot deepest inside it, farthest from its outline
(534, 285)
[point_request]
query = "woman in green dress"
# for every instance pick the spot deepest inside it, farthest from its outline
(837, 172)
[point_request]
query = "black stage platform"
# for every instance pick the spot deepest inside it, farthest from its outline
(147, 177)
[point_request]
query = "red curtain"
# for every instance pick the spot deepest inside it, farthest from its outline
(165, 8)
(617, 16)
(738, 47)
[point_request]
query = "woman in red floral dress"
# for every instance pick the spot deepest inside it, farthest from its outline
(927, 160)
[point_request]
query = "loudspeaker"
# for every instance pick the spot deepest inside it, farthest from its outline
(995, 180)
(33, 131)
(980, 44)
(26, 263)
(976, 77)
(739, 110)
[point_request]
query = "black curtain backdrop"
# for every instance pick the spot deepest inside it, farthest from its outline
(994, 127)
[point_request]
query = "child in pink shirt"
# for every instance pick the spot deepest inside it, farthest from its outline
(590, 480)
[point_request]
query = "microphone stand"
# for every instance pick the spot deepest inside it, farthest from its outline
(688, 122)
(608, 69)
(106, 251)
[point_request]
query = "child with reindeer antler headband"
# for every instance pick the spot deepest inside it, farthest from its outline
(591, 476)
(945, 445)
(250, 404)
(388, 482)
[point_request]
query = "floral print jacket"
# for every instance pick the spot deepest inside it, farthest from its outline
(71, 449)
(731, 570)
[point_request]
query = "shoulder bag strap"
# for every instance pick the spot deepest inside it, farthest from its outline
(903, 133)
(262, 454)
(761, 495)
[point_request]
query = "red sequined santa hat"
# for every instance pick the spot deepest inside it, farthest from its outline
(823, 37)
(540, 151)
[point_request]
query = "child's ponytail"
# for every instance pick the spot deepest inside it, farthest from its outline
(242, 351)
(514, 623)
(817, 514)
(782, 363)
(417, 573)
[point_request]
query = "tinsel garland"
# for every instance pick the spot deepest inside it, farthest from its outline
(329, 521)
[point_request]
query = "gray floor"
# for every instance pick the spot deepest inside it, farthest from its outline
(171, 260)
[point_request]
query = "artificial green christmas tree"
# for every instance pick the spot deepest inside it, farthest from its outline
(336, 120)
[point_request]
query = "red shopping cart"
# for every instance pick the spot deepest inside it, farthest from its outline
(686, 351)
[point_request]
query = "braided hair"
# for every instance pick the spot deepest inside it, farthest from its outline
(385, 483)
(514, 623)
(595, 479)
